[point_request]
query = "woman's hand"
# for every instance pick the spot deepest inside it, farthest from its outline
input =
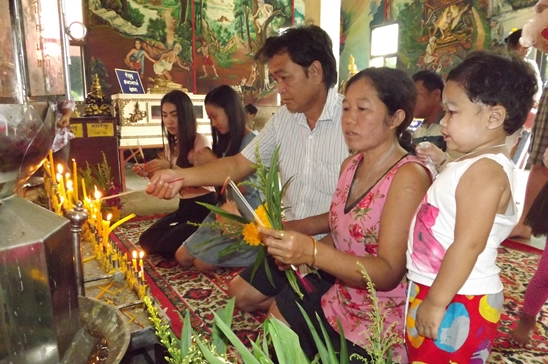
(139, 169)
(156, 165)
(65, 120)
(148, 169)
(288, 247)
(203, 156)
(545, 158)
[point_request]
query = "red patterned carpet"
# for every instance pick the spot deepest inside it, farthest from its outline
(179, 290)
(518, 263)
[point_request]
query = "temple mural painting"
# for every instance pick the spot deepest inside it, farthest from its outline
(196, 44)
(433, 34)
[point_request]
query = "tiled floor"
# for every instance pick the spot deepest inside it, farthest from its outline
(142, 204)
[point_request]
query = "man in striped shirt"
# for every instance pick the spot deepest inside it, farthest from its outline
(308, 129)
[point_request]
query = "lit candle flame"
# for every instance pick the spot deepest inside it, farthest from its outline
(97, 194)
(141, 254)
(60, 168)
(134, 254)
(69, 185)
(109, 216)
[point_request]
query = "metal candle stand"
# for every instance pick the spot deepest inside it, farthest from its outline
(78, 216)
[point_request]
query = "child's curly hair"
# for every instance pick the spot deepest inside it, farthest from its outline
(495, 79)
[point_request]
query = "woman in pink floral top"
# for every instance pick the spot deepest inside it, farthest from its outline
(379, 190)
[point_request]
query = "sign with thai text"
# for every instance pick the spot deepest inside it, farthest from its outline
(100, 129)
(77, 129)
(130, 82)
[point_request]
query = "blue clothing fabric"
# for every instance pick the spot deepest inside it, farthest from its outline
(209, 252)
(139, 57)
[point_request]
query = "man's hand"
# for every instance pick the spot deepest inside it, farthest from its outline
(165, 184)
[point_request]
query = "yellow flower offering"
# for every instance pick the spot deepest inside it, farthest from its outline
(262, 213)
(251, 234)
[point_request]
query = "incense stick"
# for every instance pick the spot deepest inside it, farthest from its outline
(176, 179)
(141, 151)
(121, 194)
(139, 190)
(133, 154)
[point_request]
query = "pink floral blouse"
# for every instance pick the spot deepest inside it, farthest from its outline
(356, 232)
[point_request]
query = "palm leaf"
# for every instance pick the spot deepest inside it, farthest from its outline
(186, 336)
(261, 256)
(218, 339)
(225, 213)
(211, 358)
(344, 359)
(244, 352)
(285, 342)
(327, 352)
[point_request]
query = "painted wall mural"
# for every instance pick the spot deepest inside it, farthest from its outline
(196, 44)
(434, 34)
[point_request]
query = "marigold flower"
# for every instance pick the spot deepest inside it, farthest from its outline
(251, 234)
(261, 212)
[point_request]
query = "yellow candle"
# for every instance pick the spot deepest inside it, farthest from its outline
(68, 202)
(60, 187)
(75, 177)
(87, 204)
(91, 214)
(106, 224)
(120, 222)
(134, 261)
(85, 193)
(51, 164)
(98, 216)
(99, 222)
(55, 204)
(61, 203)
(67, 179)
(141, 267)
(47, 186)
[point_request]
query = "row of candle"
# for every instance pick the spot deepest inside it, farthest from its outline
(111, 259)
(63, 195)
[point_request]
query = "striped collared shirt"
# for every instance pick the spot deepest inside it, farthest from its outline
(312, 157)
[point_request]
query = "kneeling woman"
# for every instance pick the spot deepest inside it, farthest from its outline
(183, 143)
(379, 190)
